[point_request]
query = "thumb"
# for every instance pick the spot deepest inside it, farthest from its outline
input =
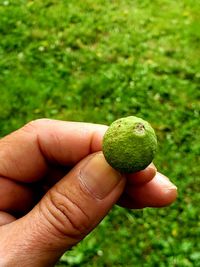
(72, 208)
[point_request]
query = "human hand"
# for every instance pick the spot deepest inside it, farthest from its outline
(55, 187)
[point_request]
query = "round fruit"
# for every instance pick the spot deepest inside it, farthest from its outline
(129, 144)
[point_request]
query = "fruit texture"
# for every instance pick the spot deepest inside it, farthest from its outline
(129, 144)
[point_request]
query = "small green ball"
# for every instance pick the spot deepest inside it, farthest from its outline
(129, 144)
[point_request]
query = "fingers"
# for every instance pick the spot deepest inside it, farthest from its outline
(69, 211)
(159, 192)
(15, 197)
(75, 205)
(141, 177)
(26, 153)
(19, 199)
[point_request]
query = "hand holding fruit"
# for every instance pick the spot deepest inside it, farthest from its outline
(56, 186)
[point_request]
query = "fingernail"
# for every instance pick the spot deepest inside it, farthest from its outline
(165, 182)
(98, 177)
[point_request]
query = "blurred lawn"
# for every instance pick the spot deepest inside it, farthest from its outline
(99, 60)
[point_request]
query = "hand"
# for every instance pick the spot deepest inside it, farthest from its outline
(55, 187)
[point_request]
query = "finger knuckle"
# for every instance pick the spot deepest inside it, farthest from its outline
(35, 124)
(68, 214)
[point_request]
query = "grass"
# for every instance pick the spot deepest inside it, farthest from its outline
(97, 61)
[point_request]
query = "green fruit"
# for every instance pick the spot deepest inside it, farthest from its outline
(129, 144)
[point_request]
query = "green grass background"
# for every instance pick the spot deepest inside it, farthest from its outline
(96, 61)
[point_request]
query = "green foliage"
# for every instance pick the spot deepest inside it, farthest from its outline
(100, 60)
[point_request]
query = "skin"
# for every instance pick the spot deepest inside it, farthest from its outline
(46, 206)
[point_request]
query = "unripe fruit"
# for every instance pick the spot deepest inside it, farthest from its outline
(129, 144)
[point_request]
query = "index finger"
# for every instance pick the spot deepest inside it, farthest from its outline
(26, 153)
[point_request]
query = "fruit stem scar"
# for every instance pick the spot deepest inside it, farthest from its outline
(139, 128)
